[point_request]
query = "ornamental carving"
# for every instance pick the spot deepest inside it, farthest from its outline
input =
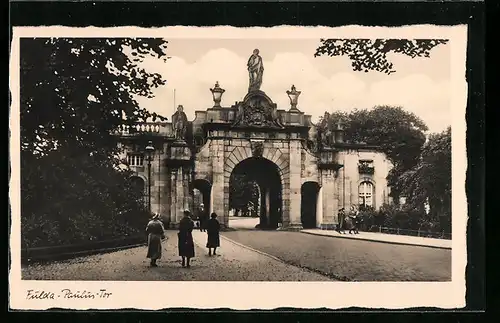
(257, 148)
(257, 110)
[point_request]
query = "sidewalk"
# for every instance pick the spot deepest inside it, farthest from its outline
(233, 263)
(384, 238)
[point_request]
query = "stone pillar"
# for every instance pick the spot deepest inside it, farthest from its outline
(173, 197)
(319, 207)
(220, 190)
(262, 207)
(179, 156)
(295, 186)
(211, 206)
(268, 203)
(330, 209)
(180, 195)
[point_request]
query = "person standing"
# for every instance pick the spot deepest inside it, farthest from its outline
(213, 230)
(354, 220)
(185, 235)
(202, 217)
(156, 232)
(340, 227)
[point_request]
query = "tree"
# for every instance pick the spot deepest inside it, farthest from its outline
(242, 192)
(75, 91)
(368, 54)
(430, 180)
(74, 94)
(399, 133)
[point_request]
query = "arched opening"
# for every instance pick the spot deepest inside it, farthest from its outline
(255, 188)
(138, 185)
(308, 204)
(365, 193)
(201, 194)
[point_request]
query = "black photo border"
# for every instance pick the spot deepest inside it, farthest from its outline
(253, 13)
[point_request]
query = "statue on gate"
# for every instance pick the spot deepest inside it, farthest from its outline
(179, 122)
(255, 70)
(326, 132)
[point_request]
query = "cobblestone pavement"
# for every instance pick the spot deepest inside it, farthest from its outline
(235, 263)
(349, 259)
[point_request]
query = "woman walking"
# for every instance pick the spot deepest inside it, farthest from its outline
(156, 232)
(186, 243)
(353, 217)
(213, 229)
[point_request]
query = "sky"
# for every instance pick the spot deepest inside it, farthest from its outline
(420, 85)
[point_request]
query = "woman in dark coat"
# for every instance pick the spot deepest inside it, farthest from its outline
(156, 233)
(186, 243)
(213, 229)
(341, 225)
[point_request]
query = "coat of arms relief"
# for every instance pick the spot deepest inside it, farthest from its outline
(258, 112)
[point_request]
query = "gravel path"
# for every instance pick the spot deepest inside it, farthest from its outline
(351, 260)
(234, 263)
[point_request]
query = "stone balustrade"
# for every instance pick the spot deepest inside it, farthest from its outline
(157, 128)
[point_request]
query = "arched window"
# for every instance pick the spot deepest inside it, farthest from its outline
(365, 194)
(138, 186)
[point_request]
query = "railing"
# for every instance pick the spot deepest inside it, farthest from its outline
(397, 231)
(408, 232)
(365, 169)
(143, 127)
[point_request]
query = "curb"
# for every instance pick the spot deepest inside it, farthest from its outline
(380, 241)
(254, 250)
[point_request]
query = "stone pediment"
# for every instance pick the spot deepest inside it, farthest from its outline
(257, 110)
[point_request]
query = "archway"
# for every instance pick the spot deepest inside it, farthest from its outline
(308, 204)
(261, 172)
(138, 186)
(201, 194)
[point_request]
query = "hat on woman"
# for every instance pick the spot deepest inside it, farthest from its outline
(187, 212)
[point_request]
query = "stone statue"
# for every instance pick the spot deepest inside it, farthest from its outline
(326, 133)
(179, 122)
(255, 70)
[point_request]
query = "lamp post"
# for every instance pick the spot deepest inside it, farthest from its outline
(217, 92)
(293, 94)
(149, 152)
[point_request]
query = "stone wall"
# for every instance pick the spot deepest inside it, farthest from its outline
(171, 186)
(350, 178)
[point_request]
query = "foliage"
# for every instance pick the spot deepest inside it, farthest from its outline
(74, 94)
(242, 192)
(430, 180)
(75, 91)
(68, 199)
(400, 135)
(368, 54)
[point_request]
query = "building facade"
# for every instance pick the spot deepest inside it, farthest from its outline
(192, 163)
(304, 176)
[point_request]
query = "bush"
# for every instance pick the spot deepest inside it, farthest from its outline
(44, 231)
(404, 217)
(71, 199)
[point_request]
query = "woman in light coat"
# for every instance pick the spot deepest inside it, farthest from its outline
(156, 232)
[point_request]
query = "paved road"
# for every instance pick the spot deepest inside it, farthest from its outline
(350, 260)
(235, 263)
(243, 223)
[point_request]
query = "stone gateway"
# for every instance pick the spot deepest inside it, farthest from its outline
(303, 177)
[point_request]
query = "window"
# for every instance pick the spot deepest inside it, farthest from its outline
(366, 167)
(135, 160)
(366, 194)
